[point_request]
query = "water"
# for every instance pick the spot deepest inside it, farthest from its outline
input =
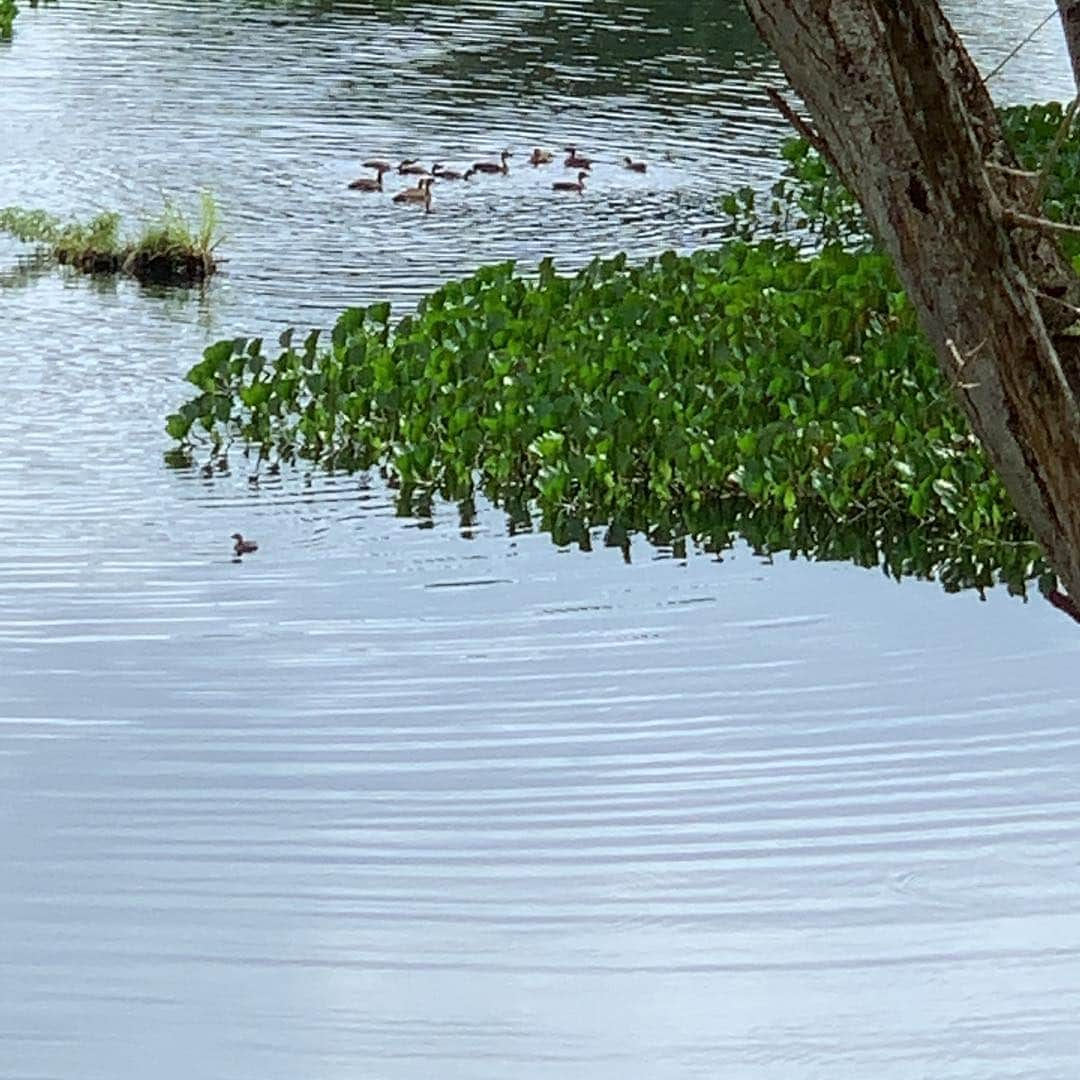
(398, 797)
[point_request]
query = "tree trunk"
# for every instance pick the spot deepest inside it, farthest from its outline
(1069, 10)
(909, 126)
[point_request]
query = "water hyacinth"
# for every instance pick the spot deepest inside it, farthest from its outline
(750, 381)
(767, 389)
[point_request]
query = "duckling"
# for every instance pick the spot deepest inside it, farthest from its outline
(570, 185)
(634, 166)
(419, 194)
(365, 183)
(242, 546)
(411, 167)
(541, 157)
(447, 174)
(378, 163)
(491, 168)
(574, 160)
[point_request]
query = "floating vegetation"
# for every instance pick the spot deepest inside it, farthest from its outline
(168, 249)
(749, 385)
(8, 11)
(761, 390)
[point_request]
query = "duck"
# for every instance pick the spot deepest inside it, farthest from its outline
(541, 157)
(634, 166)
(242, 546)
(490, 167)
(378, 163)
(419, 194)
(366, 183)
(411, 167)
(447, 174)
(571, 185)
(574, 160)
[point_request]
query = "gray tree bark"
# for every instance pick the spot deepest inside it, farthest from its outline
(908, 124)
(1069, 10)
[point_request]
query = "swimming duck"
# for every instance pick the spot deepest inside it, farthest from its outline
(570, 185)
(242, 546)
(411, 167)
(490, 167)
(447, 174)
(365, 183)
(634, 166)
(541, 157)
(378, 163)
(419, 194)
(574, 160)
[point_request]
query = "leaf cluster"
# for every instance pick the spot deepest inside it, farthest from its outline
(746, 383)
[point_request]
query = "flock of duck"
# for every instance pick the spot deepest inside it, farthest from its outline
(421, 193)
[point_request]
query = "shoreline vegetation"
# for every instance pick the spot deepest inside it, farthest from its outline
(168, 249)
(773, 389)
(8, 10)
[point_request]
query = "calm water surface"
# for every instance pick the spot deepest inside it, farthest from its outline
(400, 798)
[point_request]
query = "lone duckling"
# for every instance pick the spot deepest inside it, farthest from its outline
(574, 160)
(541, 157)
(570, 185)
(365, 183)
(634, 166)
(411, 167)
(419, 194)
(490, 167)
(242, 546)
(446, 174)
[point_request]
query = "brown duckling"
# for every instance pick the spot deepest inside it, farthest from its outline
(366, 183)
(378, 163)
(242, 546)
(570, 185)
(490, 167)
(634, 166)
(541, 157)
(411, 167)
(574, 160)
(447, 174)
(419, 194)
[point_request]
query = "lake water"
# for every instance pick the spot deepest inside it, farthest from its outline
(397, 798)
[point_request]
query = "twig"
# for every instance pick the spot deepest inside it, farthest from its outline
(1009, 170)
(997, 70)
(798, 123)
(1030, 221)
(1052, 154)
(961, 362)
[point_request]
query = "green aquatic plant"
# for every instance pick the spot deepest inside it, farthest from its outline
(810, 199)
(750, 384)
(8, 11)
(168, 249)
(775, 389)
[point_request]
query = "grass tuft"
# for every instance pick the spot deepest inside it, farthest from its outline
(169, 249)
(8, 11)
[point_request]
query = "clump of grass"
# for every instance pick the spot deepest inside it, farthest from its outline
(169, 249)
(8, 11)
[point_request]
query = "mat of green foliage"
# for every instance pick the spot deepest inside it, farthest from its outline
(755, 390)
